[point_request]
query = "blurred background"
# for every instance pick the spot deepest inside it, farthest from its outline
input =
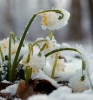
(14, 15)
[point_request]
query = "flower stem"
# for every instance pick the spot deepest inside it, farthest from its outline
(30, 48)
(9, 58)
(20, 45)
(51, 34)
(9, 53)
(54, 66)
(13, 37)
(83, 68)
(61, 49)
(0, 73)
(35, 43)
(2, 56)
(83, 65)
(56, 11)
(28, 73)
(29, 70)
(42, 47)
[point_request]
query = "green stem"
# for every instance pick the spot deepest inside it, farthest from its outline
(20, 45)
(29, 70)
(54, 66)
(9, 53)
(42, 47)
(56, 11)
(83, 65)
(13, 37)
(83, 68)
(19, 41)
(28, 74)
(9, 58)
(35, 43)
(61, 49)
(51, 34)
(2, 56)
(0, 74)
(30, 48)
(19, 60)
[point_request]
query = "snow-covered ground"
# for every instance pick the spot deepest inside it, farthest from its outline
(63, 92)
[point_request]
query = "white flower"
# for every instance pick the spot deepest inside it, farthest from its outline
(24, 59)
(14, 48)
(60, 66)
(36, 62)
(4, 45)
(51, 44)
(51, 19)
(76, 84)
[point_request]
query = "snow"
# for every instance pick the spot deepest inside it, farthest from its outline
(2, 98)
(62, 90)
(41, 75)
(39, 97)
(5, 81)
(65, 45)
(1, 68)
(63, 93)
(89, 91)
(10, 89)
(70, 74)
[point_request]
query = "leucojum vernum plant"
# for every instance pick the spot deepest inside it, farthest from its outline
(20, 61)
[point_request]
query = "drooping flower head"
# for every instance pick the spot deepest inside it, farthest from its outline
(76, 83)
(54, 20)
